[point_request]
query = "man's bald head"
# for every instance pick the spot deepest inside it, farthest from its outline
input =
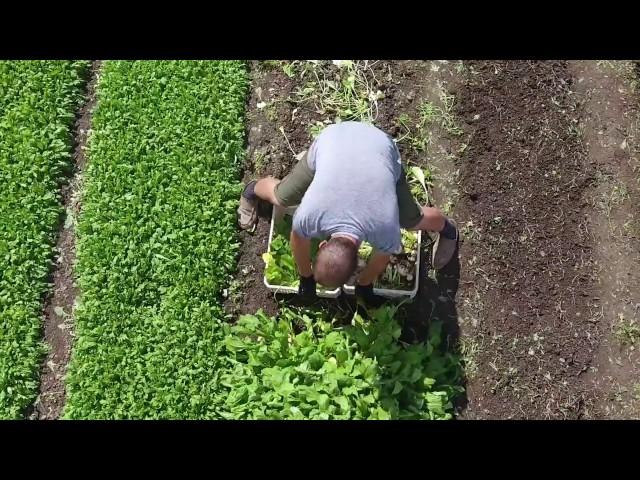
(336, 262)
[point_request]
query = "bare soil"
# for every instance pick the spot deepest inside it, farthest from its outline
(610, 127)
(58, 307)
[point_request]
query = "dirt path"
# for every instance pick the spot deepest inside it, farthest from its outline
(268, 153)
(528, 274)
(58, 321)
(610, 125)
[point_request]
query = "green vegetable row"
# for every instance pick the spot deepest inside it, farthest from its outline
(360, 371)
(38, 102)
(157, 239)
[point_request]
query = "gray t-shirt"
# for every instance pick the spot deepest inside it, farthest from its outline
(353, 191)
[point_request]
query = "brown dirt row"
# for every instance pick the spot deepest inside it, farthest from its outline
(58, 306)
(531, 301)
(610, 127)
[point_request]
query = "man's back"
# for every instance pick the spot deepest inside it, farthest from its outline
(353, 190)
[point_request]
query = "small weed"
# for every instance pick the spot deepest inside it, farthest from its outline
(605, 63)
(234, 292)
(269, 109)
(507, 379)
(636, 391)
(575, 130)
(447, 208)
(469, 350)
(258, 161)
(316, 128)
(614, 194)
(430, 115)
(447, 120)
(470, 231)
(632, 228)
(271, 64)
(627, 332)
(420, 180)
(290, 68)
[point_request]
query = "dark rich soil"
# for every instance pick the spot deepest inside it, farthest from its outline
(525, 176)
(58, 329)
(267, 154)
(410, 83)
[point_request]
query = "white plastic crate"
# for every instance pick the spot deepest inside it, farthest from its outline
(277, 215)
(390, 293)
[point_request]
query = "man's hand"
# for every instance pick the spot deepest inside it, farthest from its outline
(365, 292)
(307, 287)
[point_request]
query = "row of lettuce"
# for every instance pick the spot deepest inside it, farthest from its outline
(38, 101)
(157, 244)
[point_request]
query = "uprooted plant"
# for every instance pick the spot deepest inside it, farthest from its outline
(400, 273)
(340, 90)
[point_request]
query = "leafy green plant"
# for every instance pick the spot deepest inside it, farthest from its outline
(289, 68)
(420, 180)
(157, 238)
(280, 266)
(361, 371)
(38, 102)
(316, 129)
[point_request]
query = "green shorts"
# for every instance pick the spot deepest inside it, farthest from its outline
(291, 189)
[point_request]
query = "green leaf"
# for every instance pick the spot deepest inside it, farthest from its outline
(343, 403)
(323, 402)
(397, 388)
(382, 414)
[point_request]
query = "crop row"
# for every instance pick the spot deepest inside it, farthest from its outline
(156, 238)
(38, 102)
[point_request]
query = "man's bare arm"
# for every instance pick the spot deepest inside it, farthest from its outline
(374, 268)
(301, 248)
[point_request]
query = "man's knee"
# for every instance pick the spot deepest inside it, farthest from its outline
(285, 197)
